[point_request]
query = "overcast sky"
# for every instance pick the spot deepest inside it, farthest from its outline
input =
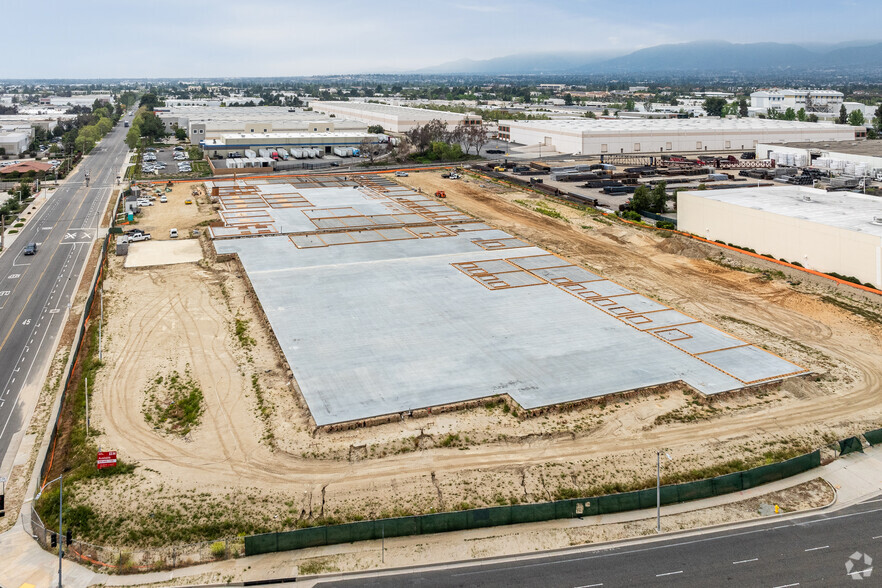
(202, 38)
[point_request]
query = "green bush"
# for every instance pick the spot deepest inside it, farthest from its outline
(218, 550)
(665, 225)
(631, 215)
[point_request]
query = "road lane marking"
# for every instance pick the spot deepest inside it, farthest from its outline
(860, 572)
(787, 585)
(877, 536)
(735, 563)
(590, 585)
(817, 548)
(668, 574)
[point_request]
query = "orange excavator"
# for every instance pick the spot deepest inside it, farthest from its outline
(440, 194)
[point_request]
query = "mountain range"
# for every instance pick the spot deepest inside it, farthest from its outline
(694, 57)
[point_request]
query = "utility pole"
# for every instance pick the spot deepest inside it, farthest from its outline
(60, 528)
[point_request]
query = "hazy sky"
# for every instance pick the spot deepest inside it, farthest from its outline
(201, 38)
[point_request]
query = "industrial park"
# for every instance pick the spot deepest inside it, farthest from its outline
(487, 322)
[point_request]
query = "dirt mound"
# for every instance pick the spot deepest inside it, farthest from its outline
(684, 246)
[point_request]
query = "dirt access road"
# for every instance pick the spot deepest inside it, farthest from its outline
(254, 446)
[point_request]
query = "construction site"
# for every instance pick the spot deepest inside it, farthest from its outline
(363, 348)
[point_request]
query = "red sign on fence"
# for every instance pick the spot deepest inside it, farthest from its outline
(106, 459)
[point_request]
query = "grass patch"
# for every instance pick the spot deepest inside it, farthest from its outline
(173, 403)
(543, 207)
(241, 331)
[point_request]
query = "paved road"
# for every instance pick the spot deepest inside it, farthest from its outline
(810, 551)
(35, 291)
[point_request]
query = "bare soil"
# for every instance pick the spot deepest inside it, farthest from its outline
(254, 463)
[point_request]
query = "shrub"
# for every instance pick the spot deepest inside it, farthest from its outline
(631, 215)
(665, 225)
(218, 550)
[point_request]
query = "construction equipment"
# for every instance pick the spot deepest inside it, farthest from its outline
(440, 194)
(499, 168)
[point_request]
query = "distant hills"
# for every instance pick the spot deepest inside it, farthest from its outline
(694, 57)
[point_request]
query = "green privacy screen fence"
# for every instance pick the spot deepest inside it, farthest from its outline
(527, 513)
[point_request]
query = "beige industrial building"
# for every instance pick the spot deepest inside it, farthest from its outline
(15, 141)
(326, 141)
(589, 136)
(824, 231)
(205, 123)
(395, 119)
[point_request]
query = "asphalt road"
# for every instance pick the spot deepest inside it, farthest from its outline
(35, 291)
(812, 551)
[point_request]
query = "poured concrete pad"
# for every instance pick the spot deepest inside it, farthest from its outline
(151, 253)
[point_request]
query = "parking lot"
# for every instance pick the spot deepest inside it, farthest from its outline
(169, 161)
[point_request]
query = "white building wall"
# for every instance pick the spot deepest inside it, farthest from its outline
(816, 246)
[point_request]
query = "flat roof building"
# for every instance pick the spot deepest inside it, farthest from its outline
(825, 100)
(15, 142)
(589, 136)
(825, 231)
(326, 141)
(396, 119)
(212, 122)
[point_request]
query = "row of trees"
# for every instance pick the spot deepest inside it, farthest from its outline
(422, 137)
(145, 124)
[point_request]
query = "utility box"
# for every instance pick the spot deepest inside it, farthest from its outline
(122, 245)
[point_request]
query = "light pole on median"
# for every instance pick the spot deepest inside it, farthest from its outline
(658, 488)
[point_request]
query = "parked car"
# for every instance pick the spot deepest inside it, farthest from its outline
(131, 232)
(139, 237)
(144, 202)
(163, 199)
(30, 249)
(401, 174)
(173, 233)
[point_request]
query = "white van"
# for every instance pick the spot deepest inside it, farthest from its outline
(173, 234)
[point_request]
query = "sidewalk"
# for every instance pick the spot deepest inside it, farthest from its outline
(855, 477)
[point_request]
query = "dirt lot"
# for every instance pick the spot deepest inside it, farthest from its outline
(159, 218)
(253, 448)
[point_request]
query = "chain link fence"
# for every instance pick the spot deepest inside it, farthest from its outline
(122, 559)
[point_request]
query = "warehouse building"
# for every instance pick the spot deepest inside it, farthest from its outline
(827, 100)
(15, 142)
(590, 136)
(396, 119)
(825, 231)
(212, 122)
(326, 141)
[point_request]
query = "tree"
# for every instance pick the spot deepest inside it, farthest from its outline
(630, 105)
(376, 129)
(568, 99)
(473, 136)
(642, 198)
(180, 133)
(674, 101)
(714, 106)
(813, 117)
(422, 136)
(877, 122)
(843, 115)
(789, 114)
(800, 115)
(742, 108)
(590, 114)
(133, 137)
(368, 148)
(856, 118)
(150, 101)
(606, 112)
(659, 198)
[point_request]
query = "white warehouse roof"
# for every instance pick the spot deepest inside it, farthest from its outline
(587, 126)
(842, 210)
(407, 112)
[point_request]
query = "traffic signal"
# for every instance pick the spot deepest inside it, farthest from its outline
(69, 537)
(53, 540)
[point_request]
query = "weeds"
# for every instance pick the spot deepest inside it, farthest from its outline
(174, 403)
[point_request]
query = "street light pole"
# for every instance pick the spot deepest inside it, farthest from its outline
(60, 526)
(658, 488)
